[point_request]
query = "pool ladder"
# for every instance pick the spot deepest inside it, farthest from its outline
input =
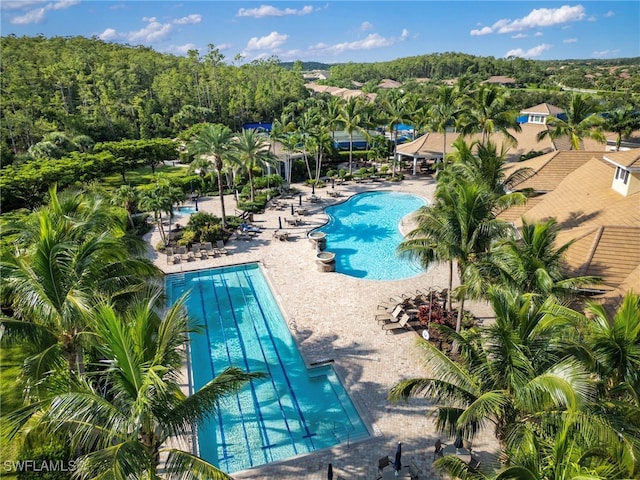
(179, 280)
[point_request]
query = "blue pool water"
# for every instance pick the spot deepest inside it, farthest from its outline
(184, 210)
(295, 410)
(364, 233)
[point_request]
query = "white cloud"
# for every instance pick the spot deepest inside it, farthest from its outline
(519, 35)
(404, 34)
(35, 10)
(269, 42)
(36, 15)
(538, 34)
(154, 31)
(366, 26)
(271, 11)
(610, 13)
(108, 34)
(182, 49)
(371, 41)
(540, 17)
(193, 18)
(481, 31)
(606, 53)
(531, 53)
(570, 40)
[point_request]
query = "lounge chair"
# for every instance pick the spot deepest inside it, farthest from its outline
(220, 248)
(184, 255)
(208, 249)
(403, 323)
(392, 316)
(195, 250)
(282, 236)
(292, 221)
(474, 464)
(170, 257)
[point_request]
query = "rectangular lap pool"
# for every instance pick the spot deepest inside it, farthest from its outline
(295, 410)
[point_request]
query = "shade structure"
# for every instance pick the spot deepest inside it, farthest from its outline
(280, 222)
(300, 199)
(292, 209)
(330, 472)
(313, 188)
(397, 462)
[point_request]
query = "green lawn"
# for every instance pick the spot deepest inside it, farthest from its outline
(11, 359)
(144, 176)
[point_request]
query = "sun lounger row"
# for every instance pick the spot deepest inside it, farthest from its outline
(197, 252)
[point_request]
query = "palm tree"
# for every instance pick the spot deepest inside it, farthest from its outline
(214, 142)
(431, 241)
(533, 264)
(582, 122)
(507, 374)
(252, 151)
(486, 167)
(159, 198)
(122, 418)
(126, 196)
(443, 112)
(622, 121)
(351, 121)
(486, 112)
(67, 254)
(395, 109)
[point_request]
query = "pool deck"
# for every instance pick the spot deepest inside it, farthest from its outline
(331, 317)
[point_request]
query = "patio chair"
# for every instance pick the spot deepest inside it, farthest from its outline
(170, 257)
(438, 449)
(195, 250)
(414, 471)
(383, 463)
(220, 248)
(474, 464)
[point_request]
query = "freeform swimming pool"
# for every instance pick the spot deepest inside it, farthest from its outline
(364, 233)
(295, 410)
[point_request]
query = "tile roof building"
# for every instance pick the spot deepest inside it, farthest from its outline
(595, 198)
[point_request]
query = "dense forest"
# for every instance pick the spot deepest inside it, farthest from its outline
(108, 92)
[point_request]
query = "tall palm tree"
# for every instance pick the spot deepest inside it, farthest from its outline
(159, 198)
(215, 143)
(395, 110)
(487, 112)
(351, 120)
(123, 417)
(64, 258)
(622, 121)
(126, 196)
(443, 112)
(582, 122)
(251, 150)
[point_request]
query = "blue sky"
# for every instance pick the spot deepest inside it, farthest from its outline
(342, 31)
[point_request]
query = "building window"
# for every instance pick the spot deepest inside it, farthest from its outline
(622, 174)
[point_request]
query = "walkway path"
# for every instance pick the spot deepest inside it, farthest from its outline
(332, 317)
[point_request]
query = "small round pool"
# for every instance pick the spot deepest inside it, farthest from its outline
(364, 233)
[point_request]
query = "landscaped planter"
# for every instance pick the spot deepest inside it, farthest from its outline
(318, 240)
